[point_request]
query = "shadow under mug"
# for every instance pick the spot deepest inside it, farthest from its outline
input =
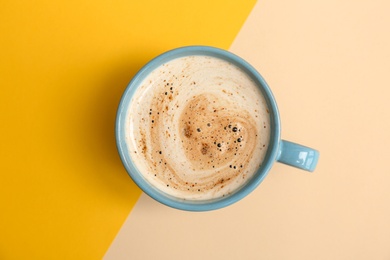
(279, 150)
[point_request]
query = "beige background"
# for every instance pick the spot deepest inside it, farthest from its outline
(328, 65)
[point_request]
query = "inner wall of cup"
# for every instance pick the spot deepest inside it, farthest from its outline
(205, 204)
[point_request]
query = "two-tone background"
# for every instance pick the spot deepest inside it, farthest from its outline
(64, 193)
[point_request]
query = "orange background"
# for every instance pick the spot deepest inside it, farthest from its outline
(63, 67)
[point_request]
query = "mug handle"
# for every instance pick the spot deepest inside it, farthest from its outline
(297, 155)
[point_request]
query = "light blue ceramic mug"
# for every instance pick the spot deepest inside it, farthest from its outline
(279, 150)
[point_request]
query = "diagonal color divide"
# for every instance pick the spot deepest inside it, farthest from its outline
(328, 65)
(64, 193)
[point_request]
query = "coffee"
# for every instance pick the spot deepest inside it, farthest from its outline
(197, 128)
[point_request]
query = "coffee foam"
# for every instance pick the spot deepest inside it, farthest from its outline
(197, 128)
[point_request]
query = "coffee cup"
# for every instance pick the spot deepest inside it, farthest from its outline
(198, 129)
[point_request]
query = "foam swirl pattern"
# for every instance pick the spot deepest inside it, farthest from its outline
(197, 128)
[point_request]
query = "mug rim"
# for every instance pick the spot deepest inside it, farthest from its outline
(195, 205)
